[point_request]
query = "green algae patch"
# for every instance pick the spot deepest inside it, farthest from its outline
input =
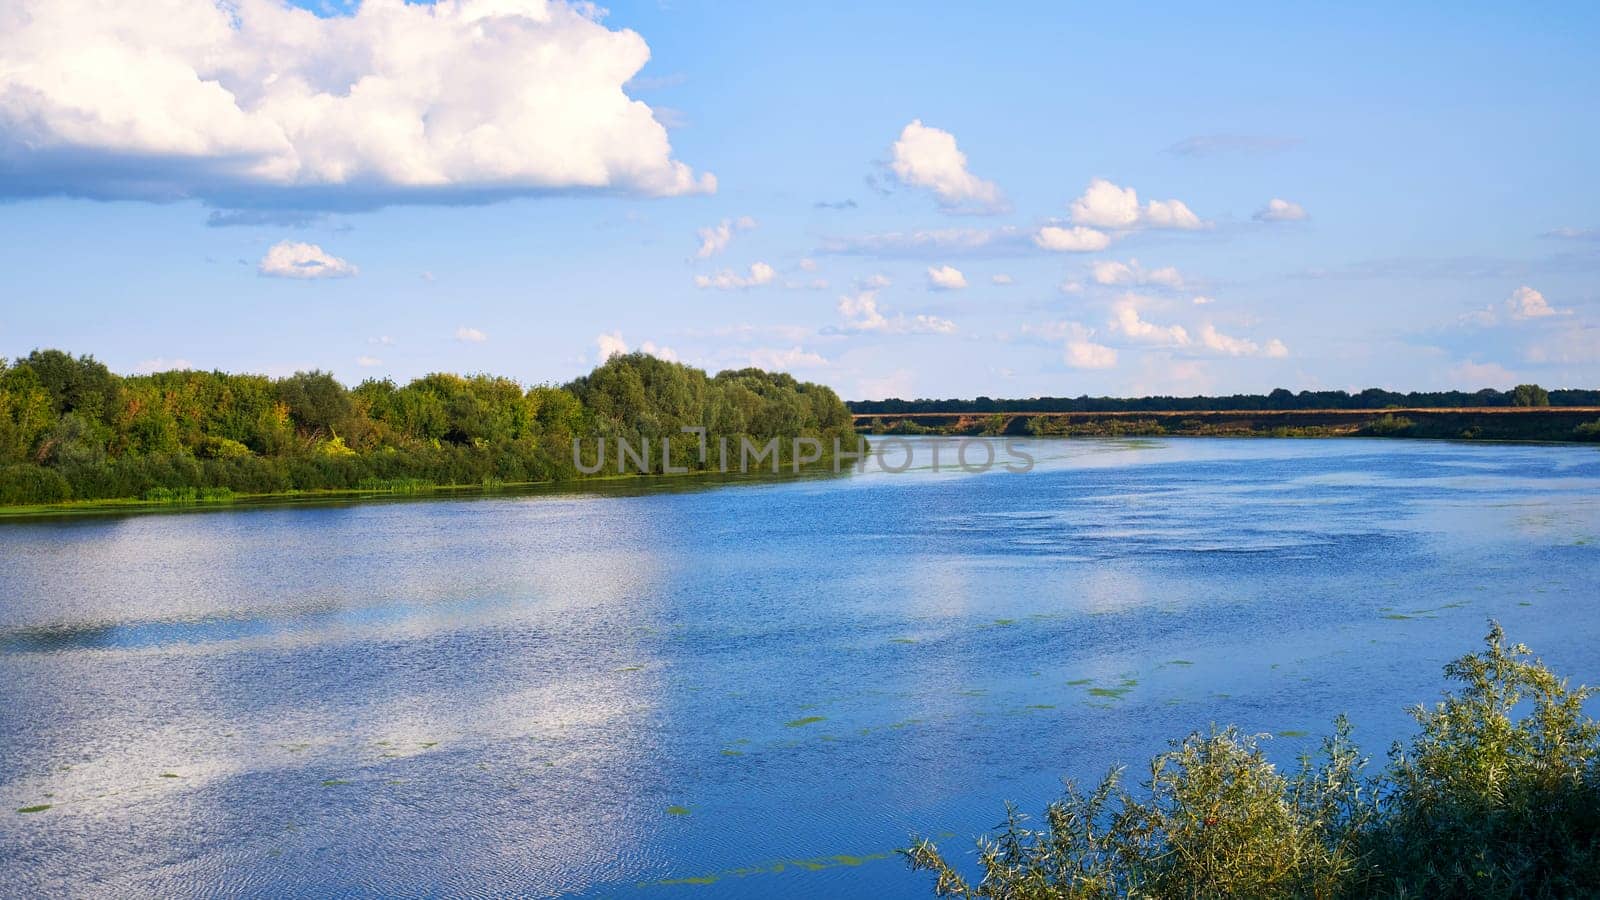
(631, 669)
(1293, 733)
(730, 752)
(1041, 706)
(1115, 693)
(902, 640)
(334, 782)
(170, 775)
(804, 721)
(693, 879)
(1080, 682)
(1180, 662)
(677, 810)
(1004, 622)
(34, 809)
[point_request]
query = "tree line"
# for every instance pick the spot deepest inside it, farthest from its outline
(70, 429)
(1280, 399)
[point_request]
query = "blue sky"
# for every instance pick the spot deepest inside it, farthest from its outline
(1438, 223)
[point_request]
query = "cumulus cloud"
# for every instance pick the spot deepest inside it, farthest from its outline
(728, 280)
(861, 313)
(367, 362)
(262, 104)
(1212, 339)
(1001, 279)
(1088, 355)
(715, 239)
(470, 335)
(1527, 303)
(293, 259)
(1201, 300)
(1281, 210)
(1125, 319)
(928, 157)
(946, 278)
(1111, 272)
(1077, 239)
(608, 345)
(1105, 205)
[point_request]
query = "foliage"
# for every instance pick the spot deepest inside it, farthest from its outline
(1388, 425)
(1481, 803)
(1529, 395)
(1280, 399)
(72, 430)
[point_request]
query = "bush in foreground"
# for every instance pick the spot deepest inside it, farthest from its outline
(1497, 796)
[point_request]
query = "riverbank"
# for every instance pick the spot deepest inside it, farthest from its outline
(1551, 424)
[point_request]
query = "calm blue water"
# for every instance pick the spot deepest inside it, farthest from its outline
(761, 688)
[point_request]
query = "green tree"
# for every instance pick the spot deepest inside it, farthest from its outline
(1529, 395)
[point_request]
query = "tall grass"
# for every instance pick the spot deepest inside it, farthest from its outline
(1498, 795)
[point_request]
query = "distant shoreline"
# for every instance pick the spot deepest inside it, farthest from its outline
(1570, 424)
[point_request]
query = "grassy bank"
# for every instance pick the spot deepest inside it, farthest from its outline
(1498, 795)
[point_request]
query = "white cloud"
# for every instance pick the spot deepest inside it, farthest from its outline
(715, 239)
(162, 364)
(808, 265)
(658, 351)
(875, 281)
(1071, 240)
(1002, 279)
(292, 259)
(1105, 205)
(1213, 339)
(1079, 350)
(1527, 303)
(1125, 319)
(861, 313)
(1089, 355)
(258, 102)
(1281, 210)
(779, 360)
(946, 278)
(928, 157)
(367, 362)
(609, 344)
(1201, 300)
(729, 280)
(382, 340)
(1112, 272)
(470, 335)
(1170, 214)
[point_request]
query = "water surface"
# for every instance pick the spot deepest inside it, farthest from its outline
(747, 689)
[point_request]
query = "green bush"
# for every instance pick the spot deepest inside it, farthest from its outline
(1482, 803)
(23, 485)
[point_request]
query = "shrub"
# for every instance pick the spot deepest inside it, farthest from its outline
(1481, 803)
(24, 485)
